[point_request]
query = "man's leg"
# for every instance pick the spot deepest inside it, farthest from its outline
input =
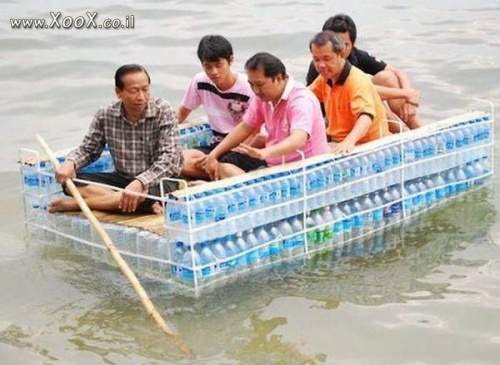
(105, 203)
(389, 79)
(96, 197)
(189, 168)
(235, 163)
(228, 170)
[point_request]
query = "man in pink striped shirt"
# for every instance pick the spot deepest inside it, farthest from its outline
(291, 115)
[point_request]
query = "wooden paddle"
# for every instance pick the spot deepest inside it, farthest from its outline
(146, 302)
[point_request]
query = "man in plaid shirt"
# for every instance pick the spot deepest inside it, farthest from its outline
(143, 139)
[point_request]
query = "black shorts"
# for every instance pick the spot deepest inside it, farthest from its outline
(244, 162)
(120, 181)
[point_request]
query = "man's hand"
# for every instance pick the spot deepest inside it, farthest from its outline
(65, 171)
(344, 147)
(259, 153)
(413, 97)
(409, 111)
(211, 167)
(128, 201)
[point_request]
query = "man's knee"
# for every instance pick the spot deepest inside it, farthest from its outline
(386, 78)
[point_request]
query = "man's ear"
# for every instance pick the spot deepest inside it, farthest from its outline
(118, 92)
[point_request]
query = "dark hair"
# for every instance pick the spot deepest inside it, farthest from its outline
(341, 23)
(214, 47)
(127, 69)
(326, 36)
(271, 65)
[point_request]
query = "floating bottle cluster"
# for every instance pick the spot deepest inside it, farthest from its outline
(324, 204)
(225, 229)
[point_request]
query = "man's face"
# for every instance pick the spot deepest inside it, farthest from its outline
(264, 87)
(347, 42)
(135, 93)
(218, 71)
(328, 63)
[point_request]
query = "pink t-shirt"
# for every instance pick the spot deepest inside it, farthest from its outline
(298, 108)
(223, 108)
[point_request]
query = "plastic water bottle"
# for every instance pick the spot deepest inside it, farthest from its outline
(173, 214)
(275, 246)
(323, 231)
(416, 203)
(232, 251)
(285, 186)
(439, 183)
(191, 262)
(231, 203)
(378, 212)
(478, 172)
(328, 219)
(210, 212)
(198, 211)
(397, 205)
(220, 206)
(430, 195)
(407, 201)
(242, 260)
(459, 138)
(263, 238)
(451, 181)
(421, 188)
(283, 228)
(367, 205)
(461, 177)
(222, 265)
(409, 151)
(253, 257)
(298, 241)
(387, 198)
(358, 219)
(348, 221)
(338, 225)
(207, 258)
(30, 178)
(311, 231)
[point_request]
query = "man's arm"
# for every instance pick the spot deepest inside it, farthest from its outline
(239, 134)
(411, 96)
(361, 127)
(183, 113)
(292, 143)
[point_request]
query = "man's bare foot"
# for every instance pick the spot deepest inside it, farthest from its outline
(156, 208)
(63, 205)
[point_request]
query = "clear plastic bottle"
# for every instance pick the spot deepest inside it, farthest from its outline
(207, 258)
(191, 263)
(253, 257)
(338, 225)
(222, 265)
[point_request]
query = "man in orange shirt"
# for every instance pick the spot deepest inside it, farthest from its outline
(354, 110)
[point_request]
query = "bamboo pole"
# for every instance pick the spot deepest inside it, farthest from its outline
(143, 296)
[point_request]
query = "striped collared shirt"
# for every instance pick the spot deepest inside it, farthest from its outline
(147, 150)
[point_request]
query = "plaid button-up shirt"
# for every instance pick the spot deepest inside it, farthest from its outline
(147, 150)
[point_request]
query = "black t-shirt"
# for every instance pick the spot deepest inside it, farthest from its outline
(359, 58)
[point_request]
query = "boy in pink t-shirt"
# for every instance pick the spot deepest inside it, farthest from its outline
(224, 95)
(290, 112)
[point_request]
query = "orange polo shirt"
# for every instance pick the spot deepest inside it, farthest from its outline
(351, 96)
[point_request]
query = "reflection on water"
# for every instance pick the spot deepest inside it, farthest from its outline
(250, 317)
